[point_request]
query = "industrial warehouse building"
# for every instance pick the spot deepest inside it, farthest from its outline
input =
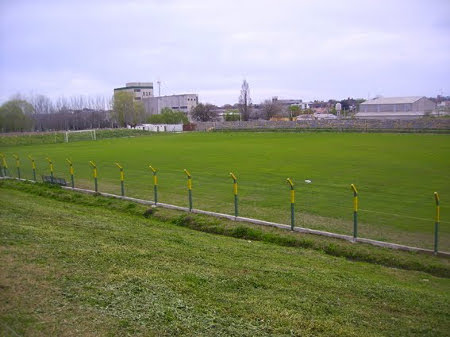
(184, 103)
(143, 91)
(396, 108)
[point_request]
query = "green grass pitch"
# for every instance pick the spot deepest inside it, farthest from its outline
(396, 175)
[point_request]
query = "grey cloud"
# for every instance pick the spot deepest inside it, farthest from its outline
(320, 49)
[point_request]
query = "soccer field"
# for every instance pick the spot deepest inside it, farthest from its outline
(396, 175)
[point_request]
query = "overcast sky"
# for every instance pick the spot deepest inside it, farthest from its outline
(286, 48)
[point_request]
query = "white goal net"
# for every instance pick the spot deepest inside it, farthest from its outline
(71, 136)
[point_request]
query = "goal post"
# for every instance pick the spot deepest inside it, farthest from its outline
(76, 135)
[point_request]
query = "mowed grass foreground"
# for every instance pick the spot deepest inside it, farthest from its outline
(69, 269)
(396, 175)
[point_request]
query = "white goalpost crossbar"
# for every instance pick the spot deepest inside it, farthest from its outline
(91, 132)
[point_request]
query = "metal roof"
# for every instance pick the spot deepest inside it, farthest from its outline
(393, 100)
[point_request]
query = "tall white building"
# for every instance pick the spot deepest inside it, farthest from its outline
(140, 90)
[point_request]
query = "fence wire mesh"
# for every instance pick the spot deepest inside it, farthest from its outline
(384, 215)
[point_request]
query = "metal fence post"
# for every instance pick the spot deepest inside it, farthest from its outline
(94, 173)
(71, 172)
(235, 193)
(17, 164)
(33, 167)
(5, 165)
(291, 184)
(155, 184)
(122, 177)
(51, 168)
(436, 223)
(2, 172)
(355, 211)
(189, 185)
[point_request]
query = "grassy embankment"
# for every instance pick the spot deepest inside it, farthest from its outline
(74, 264)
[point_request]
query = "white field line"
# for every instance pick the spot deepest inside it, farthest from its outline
(257, 221)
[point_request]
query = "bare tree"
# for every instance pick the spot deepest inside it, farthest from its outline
(78, 102)
(100, 103)
(245, 102)
(271, 108)
(42, 104)
(62, 104)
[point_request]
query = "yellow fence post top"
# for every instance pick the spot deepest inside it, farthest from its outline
(187, 173)
(436, 197)
(92, 164)
(233, 176)
(290, 182)
(118, 165)
(353, 187)
(70, 162)
(153, 169)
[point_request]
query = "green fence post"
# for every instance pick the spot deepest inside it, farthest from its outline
(291, 184)
(5, 165)
(33, 167)
(436, 223)
(235, 193)
(189, 185)
(94, 173)
(71, 172)
(122, 177)
(50, 163)
(355, 211)
(155, 183)
(17, 164)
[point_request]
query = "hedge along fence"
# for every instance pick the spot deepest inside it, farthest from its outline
(29, 138)
(432, 125)
(53, 178)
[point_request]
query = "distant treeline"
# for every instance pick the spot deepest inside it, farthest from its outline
(39, 113)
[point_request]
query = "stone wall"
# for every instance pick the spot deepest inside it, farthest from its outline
(416, 125)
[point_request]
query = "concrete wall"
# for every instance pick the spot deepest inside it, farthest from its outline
(160, 127)
(337, 124)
